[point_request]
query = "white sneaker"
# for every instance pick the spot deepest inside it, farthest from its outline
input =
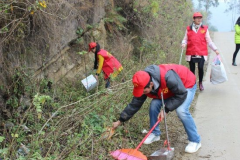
(192, 147)
(151, 138)
(109, 90)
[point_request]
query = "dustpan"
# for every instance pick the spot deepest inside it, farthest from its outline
(163, 153)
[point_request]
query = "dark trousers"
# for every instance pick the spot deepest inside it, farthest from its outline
(200, 62)
(236, 52)
(107, 85)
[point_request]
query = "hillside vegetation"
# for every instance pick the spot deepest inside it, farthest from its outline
(45, 112)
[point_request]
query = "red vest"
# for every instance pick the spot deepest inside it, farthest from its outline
(197, 44)
(110, 64)
(187, 77)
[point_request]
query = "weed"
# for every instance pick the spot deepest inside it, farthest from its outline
(65, 120)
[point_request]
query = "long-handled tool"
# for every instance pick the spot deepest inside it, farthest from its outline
(180, 61)
(133, 154)
(163, 153)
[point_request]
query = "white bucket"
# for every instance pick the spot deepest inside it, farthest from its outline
(90, 82)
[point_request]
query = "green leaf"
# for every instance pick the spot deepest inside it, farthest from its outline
(3, 30)
(42, 100)
(82, 52)
(29, 8)
(79, 31)
(79, 40)
(1, 139)
(42, 133)
(3, 151)
(89, 26)
(39, 110)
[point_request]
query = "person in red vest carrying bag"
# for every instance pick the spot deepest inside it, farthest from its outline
(196, 39)
(178, 85)
(106, 62)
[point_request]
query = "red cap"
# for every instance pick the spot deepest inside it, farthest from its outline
(140, 80)
(91, 46)
(197, 14)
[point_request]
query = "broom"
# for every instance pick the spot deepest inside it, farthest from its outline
(133, 154)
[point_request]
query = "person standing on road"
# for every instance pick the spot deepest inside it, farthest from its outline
(196, 39)
(237, 41)
(106, 62)
(178, 85)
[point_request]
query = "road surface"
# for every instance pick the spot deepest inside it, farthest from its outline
(217, 113)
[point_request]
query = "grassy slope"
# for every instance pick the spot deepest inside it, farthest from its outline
(73, 132)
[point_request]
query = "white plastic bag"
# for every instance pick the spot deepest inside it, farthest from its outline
(218, 73)
(90, 82)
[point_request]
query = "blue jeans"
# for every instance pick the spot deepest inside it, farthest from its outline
(182, 112)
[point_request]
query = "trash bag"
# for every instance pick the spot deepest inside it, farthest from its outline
(90, 82)
(218, 74)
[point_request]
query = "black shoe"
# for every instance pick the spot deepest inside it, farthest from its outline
(234, 64)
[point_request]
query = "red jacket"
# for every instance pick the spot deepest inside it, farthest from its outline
(187, 77)
(110, 64)
(178, 78)
(197, 44)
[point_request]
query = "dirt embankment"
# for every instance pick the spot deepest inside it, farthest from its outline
(43, 59)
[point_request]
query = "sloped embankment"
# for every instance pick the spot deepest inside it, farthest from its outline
(43, 59)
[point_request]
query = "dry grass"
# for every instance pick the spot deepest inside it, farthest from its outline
(72, 122)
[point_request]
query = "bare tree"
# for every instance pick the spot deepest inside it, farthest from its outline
(234, 9)
(204, 7)
(206, 4)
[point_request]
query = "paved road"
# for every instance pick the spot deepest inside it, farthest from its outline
(217, 112)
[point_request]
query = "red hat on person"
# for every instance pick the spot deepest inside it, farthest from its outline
(197, 14)
(140, 80)
(91, 46)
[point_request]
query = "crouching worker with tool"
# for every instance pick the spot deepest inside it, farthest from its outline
(178, 86)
